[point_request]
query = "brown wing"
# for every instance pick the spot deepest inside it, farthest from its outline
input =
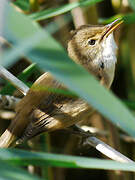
(52, 111)
(41, 91)
(27, 105)
(41, 110)
(60, 116)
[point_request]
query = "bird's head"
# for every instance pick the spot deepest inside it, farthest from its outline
(93, 46)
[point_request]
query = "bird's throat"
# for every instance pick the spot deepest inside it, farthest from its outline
(109, 58)
(109, 51)
(106, 60)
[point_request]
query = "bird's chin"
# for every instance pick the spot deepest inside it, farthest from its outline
(109, 51)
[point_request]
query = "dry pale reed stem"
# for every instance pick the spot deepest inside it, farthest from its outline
(99, 145)
(12, 79)
(78, 16)
(107, 150)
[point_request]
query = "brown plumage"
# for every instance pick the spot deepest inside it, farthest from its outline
(43, 111)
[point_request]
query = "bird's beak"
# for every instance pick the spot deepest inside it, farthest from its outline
(109, 28)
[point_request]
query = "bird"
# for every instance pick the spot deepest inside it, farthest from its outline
(93, 47)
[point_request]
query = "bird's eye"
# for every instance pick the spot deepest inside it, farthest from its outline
(92, 42)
